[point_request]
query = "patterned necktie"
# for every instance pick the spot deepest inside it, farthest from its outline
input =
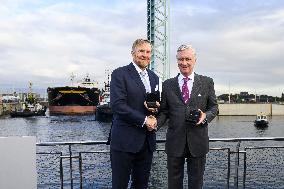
(185, 91)
(143, 78)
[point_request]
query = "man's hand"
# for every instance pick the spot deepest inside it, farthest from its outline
(202, 118)
(151, 123)
(153, 110)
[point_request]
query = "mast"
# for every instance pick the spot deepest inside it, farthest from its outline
(158, 34)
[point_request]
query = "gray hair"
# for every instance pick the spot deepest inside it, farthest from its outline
(184, 47)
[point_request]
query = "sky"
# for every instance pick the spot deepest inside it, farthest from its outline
(239, 43)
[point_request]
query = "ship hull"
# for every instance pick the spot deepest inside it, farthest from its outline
(72, 100)
(27, 113)
(70, 110)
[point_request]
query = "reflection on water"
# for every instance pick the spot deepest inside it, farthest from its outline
(261, 131)
(243, 126)
(83, 128)
(55, 128)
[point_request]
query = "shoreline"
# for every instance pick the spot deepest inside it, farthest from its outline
(224, 109)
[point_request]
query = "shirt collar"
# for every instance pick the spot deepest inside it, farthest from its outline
(191, 77)
(139, 70)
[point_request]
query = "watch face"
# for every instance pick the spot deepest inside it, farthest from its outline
(152, 105)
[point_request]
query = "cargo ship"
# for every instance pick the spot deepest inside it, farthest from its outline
(81, 99)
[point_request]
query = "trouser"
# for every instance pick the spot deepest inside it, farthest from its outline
(138, 165)
(195, 171)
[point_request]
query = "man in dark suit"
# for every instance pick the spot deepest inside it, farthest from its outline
(184, 96)
(132, 137)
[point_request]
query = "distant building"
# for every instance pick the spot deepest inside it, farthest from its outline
(18, 97)
(244, 94)
(6, 98)
(245, 97)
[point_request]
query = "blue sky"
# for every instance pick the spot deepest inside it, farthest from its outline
(239, 43)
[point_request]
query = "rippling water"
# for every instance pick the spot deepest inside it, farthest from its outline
(55, 128)
(82, 128)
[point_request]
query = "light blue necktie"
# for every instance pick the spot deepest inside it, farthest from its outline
(144, 80)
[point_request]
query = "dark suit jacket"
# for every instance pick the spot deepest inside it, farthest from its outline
(127, 96)
(173, 108)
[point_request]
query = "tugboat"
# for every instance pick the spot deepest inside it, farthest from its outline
(261, 120)
(104, 112)
(29, 110)
(79, 99)
(30, 107)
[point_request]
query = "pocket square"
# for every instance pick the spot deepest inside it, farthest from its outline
(199, 94)
(157, 88)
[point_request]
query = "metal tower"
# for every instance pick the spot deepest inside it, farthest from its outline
(158, 34)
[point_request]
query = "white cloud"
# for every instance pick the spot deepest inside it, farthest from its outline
(54, 40)
(239, 42)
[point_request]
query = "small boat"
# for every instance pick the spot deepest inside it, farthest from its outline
(30, 107)
(104, 112)
(29, 110)
(261, 120)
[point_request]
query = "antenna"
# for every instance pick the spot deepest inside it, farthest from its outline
(72, 77)
(30, 87)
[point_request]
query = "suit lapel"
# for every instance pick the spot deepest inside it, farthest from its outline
(194, 91)
(195, 88)
(135, 76)
(153, 82)
(176, 88)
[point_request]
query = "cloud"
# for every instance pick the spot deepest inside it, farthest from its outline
(49, 41)
(241, 45)
(237, 42)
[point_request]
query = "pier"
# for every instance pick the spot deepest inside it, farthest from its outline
(231, 163)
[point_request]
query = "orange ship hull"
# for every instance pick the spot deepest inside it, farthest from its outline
(71, 110)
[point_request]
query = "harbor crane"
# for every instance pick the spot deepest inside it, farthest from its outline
(158, 35)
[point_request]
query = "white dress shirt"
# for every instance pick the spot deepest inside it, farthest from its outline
(139, 70)
(146, 77)
(189, 82)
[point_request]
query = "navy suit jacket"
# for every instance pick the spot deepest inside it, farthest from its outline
(127, 96)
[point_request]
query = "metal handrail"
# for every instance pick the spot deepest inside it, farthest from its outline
(237, 151)
(97, 142)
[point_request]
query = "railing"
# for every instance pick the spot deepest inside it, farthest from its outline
(231, 163)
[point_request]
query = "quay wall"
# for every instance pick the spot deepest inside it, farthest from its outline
(224, 109)
(250, 109)
(277, 109)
